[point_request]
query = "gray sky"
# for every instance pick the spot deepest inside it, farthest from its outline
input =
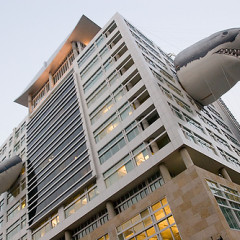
(32, 30)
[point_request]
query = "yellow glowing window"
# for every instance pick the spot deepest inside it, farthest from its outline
(55, 221)
(136, 219)
(156, 206)
(122, 171)
(84, 201)
(171, 220)
(138, 228)
(175, 232)
(23, 169)
(147, 221)
(140, 158)
(150, 231)
(164, 201)
(159, 214)
(162, 224)
(144, 213)
(128, 233)
(167, 210)
(166, 235)
(126, 224)
(23, 205)
(141, 236)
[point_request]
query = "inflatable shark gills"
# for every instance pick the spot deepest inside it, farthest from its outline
(210, 67)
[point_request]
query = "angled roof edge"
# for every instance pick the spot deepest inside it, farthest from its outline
(84, 32)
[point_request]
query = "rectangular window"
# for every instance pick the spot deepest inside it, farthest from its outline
(228, 200)
(92, 80)
(45, 227)
(155, 221)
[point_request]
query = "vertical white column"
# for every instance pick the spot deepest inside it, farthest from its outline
(75, 51)
(51, 82)
(186, 157)
(30, 107)
(110, 209)
(164, 172)
(61, 214)
(225, 174)
(68, 235)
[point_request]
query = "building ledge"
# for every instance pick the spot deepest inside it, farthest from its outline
(84, 32)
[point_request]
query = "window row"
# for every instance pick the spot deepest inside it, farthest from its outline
(186, 118)
(15, 228)
(229, 158)
(120, 114)
(172, 97)
(138, 192)
(218, 139)
(123, 66)
(164, 81)
(16, 208)
(88, 53)
(81, 199)
(155, 221)
(16, 189)
(228, 200)
(193, 137)
(127, 135)
(132, 160)
(139, 33)
(90, 225)
(45, 227)
(114, 97)
(208, 122)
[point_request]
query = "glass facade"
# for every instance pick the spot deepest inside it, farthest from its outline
(58, 162)
(228, 200)
(155, 222)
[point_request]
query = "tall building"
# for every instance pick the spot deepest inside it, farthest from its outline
(114, 148)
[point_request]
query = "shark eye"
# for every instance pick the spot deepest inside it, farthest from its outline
(225, 33)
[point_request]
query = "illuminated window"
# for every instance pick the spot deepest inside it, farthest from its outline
(228, 200)
(146, 225)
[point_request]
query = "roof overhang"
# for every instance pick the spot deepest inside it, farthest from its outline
(84, 32)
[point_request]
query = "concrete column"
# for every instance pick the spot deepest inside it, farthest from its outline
(136, 103)
(186, 157)
(110, 209)
(123, 70)
(51, 82)
(154, 146)
(165, 173)
(61, 214)
(75, 51)
(145, 124)
(29, 234)
(225, 174)
(80, 47)
(129, 86)
(68, 235)
(30, 107)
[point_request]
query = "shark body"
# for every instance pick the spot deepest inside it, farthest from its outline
(210, 67)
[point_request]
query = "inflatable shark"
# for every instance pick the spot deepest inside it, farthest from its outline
(210, 67)
(9, 172)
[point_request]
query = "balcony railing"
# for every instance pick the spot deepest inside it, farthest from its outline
(63, 68)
